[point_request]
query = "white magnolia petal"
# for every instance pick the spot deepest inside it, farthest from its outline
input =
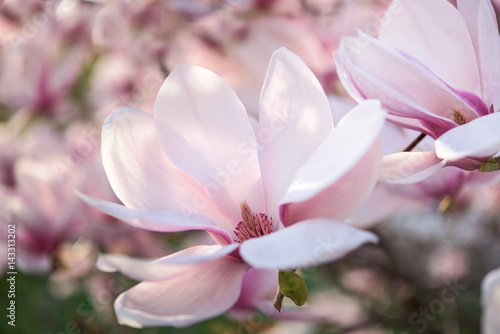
(204, 129)
(491, 303)
(478, 139)
(140, 173)
(295, 117)
(434, 32)
(409, 167)
(158, 221)
(209, 289)
(165, 267)
(305, 244)
(482, 24)
(340, 153)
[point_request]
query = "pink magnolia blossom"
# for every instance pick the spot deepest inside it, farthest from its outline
(446, 189)
(270, 194)
(43, 60)
(39, 200)
(491, 303)
(435, 68)
(227, 47)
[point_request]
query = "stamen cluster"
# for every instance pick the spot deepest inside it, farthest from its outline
(252, 225)
(459, 118)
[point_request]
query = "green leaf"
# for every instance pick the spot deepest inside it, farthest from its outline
(491, 165)
(293, 287)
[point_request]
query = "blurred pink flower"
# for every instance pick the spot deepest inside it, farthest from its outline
(434, 67)
(40, 169)
(227, 46)
(491, 303)
(44, 59)
(41, 204)
(270, 194)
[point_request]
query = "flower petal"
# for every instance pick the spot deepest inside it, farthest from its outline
(381, 204)
(295, 117)
(158, 221)
(165, 267)
(209, 289)
(434, 32)
(404, 85)
(409, 167)
(341, 172)
(482, 24)
(259, 287)
(204, 129)
(491, 301)
(478, 139)
(141, 175)
(306, 244)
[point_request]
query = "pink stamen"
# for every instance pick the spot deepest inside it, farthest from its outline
(252, 225)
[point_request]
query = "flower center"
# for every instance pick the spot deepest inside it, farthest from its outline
(458, 117)
(252, 225)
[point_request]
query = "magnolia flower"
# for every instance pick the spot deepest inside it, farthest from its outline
(491, 303)
(43, 63)
(270, 194)
(435, 68)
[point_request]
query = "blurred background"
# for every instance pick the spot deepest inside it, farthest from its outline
(66, 65)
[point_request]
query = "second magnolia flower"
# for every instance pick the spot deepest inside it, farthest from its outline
(271, 194)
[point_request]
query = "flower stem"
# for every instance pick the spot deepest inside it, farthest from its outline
(415, 142)
(278, 300)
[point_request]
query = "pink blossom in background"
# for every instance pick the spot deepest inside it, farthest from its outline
(448, 189)
(43, 61)
(206, 168)
(236, 41)
(237, 170)
(239, 50)
(41, 169)
(432, 79)
(40, 201)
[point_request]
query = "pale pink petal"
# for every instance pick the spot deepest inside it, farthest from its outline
(409, 167)
(434, 32)
(165, 267)
(412, 124)
(479, 139)
(477, 179)
(208, 290)
(204, 129)
(381, 204)
(343, 197)
(158, 221)
(141, 175)
(480, 18)
(403, 84)
(295, 117)
(403, 109)
(305, 244)
(491, 303)
(259, 287)
(341, 172)
(445, 181)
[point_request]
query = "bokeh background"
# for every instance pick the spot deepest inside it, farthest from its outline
(66, 65)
